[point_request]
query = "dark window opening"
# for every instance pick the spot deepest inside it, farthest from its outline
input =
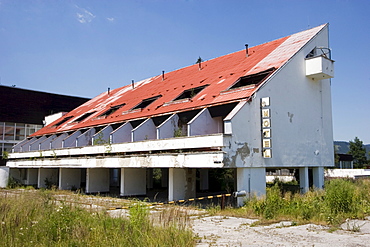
(160, 119)
(84, 116)
(252, 79)
(319, 51)
(311, 53)
(63, 121)
(146, 102)
(190, 93)
(135, 123)
(111, 110)
(222, 110)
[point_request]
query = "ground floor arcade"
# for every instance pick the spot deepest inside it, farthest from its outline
(171, 183)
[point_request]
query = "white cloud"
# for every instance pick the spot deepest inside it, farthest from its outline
(84, 16)
(111, 19)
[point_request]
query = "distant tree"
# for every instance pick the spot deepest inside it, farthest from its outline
(358, 151)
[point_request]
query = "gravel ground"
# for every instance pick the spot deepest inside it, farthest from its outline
(231, 231)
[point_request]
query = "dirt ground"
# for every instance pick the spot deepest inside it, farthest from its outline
(231, 231)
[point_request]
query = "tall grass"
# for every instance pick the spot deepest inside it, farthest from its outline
(341, 199)
(36, 219)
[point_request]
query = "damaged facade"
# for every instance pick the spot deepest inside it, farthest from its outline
(268, 106)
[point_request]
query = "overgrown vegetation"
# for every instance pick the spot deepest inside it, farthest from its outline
(342, 199)
(36, 219)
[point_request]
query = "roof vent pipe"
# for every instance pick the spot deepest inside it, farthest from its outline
(162, 75)
(108, 91)
(132, 83)
(246, 50)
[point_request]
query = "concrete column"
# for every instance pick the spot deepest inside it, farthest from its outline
(69, 178)
(47, 176)
(181, 183)
(304, 179)
(164, 178)
(203, 179)
(4, 176)
(133, 181)
(251, 180)
(97, 180)
(318, 177)
(149, 178)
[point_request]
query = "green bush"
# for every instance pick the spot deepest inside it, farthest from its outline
(341, 199)
(339, 196)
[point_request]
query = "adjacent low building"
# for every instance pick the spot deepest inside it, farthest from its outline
(267, 106)
(22, 113)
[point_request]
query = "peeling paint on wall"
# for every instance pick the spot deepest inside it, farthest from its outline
(243, 151)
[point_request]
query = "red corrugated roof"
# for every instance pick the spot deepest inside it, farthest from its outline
(219, 74)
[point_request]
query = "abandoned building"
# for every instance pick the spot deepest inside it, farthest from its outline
(267, 106)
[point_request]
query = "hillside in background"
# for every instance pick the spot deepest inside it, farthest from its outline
(342, 147)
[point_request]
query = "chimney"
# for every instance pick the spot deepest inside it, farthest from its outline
(132, 83)
(246, 50)
(108, 91)
(162, 75)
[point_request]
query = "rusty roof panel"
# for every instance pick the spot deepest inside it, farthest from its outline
(219, 74)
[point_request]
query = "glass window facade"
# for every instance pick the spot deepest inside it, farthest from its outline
(12, 133)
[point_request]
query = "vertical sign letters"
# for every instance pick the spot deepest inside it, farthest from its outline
(266, 127)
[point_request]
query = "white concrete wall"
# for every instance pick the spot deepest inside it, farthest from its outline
(181, 184)
(251, 180)
(133, 181)
(69, 178)
(51, 118)
(32, 176)
(304, 182)
(145, 131)
(18, 146)
(318, 177)
(215, 141)
(122, 134)
(51, 174)
(46, 144)
(4, 176)
(204, 124)
(70, 141)
(85, 139)
(344, 173)
(97, 180)
(36, 144)
(103, 136)
(58, 141)
(168, 127)
(301, 118)
(25, 146)
(244, 125)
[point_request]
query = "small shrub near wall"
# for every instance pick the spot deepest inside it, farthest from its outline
(341, 199)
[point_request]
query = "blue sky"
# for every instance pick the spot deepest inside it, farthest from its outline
(81, 48)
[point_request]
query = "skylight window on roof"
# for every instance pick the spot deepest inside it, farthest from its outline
(84, 116)
(111, 110)
(144, 103)
(190, 93)
(252, 79)
(63, 121)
